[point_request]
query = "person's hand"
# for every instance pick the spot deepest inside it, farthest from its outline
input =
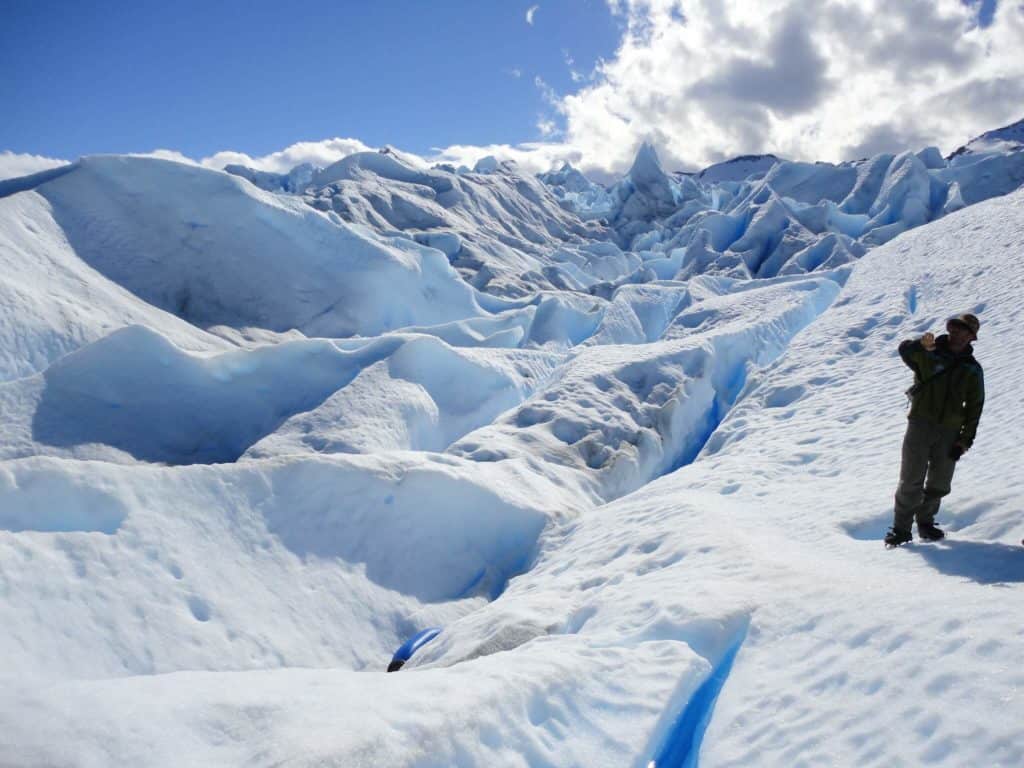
(958, 450)
(928, 341)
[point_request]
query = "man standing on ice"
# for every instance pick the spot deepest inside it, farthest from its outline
(946, 402)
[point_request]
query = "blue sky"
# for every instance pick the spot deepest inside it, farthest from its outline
(256, 76)
(703, 80)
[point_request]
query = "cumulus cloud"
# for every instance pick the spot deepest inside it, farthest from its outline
(530, 13)
(547, 92)
(167, 154)
(318, 153)
(791, 79)
(705, 80)
(887, 138)
(531, 157)
(14, 165)
(570, 63)
(546, 126)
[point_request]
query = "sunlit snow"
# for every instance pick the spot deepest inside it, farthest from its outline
(632, 450)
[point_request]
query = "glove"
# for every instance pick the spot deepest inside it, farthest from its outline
(956, 452)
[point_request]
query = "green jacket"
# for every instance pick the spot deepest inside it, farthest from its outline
(954, 398)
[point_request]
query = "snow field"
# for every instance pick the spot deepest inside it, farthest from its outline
(78, 306)
(135, 396)
(854, 655)
(863, 656)
(111, 570)
(782, 217)
(618, 416)
(497, 227)
(678, 483)
(393, 554)
(422, 397)
(215, 250)
(553, 709)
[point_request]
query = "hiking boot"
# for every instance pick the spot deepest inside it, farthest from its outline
(897, 536)
(930, 532)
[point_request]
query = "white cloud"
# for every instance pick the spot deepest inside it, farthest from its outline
(570, 63)
(531, 157)
(706, 80)
(549, 94)
(546, 126)
(809, 79)
(319, 153)
(530, 13)
(14, 165)
(167, 154)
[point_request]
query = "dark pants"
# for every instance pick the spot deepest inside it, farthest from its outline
(925, 474)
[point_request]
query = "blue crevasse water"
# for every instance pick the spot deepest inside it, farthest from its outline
(681, 747)
(413, 644)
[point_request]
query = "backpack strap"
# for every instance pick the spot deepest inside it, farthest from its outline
(919, 386)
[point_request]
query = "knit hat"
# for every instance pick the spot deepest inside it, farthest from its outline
(968, 321)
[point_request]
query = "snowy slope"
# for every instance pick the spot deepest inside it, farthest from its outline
(1008, 138)
(864, 658)
(79, 304)
(215, 250)
(497, 227)
(760, 216)
(738, 168)
(635, 510)
(578, 193)
(134, 395)
(754, 216)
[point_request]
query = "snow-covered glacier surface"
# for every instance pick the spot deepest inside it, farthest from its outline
(753, 216)
(631, 448)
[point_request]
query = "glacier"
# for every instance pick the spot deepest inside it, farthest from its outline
(629, 447)
(753, 216)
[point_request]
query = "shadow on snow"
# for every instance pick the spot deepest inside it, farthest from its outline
(980, 561)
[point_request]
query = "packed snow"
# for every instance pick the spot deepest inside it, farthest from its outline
(752, 216)
(998, 141)
(632, 449)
